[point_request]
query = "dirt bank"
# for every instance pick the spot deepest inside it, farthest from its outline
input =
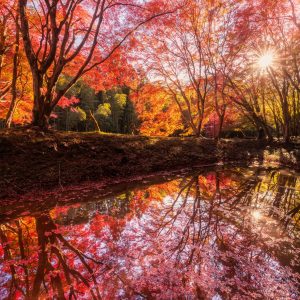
(32, 160)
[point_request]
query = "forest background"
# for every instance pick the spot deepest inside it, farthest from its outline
(188, 67)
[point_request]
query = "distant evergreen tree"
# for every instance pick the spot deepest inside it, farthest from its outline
(112, 109)
(130, 121)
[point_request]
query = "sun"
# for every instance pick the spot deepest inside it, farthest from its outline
(266, 60)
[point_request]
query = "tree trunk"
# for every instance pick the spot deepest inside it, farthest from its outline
(10, 113)
(43, 226)
(287, 121)
(95, 122)
(268, 133)
(41, 114)
(197, 127)
(13, 104)
(286, 133)
(261, 124)
(221, 122)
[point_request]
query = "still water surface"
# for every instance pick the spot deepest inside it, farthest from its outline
(223, 233)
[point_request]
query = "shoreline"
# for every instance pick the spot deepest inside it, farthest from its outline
(32, 160)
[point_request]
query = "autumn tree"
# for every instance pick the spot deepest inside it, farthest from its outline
(16, 69)
(177, 60)
(265, 86)
(157, 111)
(5, 46)
(15, 98)
(192, 54)
(210, 55)
(75, 37)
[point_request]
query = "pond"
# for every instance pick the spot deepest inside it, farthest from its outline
(218, 233)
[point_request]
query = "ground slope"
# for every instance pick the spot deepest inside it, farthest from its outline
(32, 160)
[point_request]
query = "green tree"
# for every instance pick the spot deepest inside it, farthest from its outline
(103, 117)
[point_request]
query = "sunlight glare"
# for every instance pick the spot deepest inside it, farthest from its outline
(256, 214)
(266, 60)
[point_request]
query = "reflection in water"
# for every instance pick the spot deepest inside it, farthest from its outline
(224, 234)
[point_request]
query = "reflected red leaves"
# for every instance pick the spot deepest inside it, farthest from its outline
(215, 234)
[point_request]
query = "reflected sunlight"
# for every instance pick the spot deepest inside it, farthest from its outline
(256, 214)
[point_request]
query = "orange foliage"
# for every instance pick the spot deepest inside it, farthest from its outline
(8, 46)
(158, 112)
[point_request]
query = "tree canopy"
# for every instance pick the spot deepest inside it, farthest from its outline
(193, 67)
